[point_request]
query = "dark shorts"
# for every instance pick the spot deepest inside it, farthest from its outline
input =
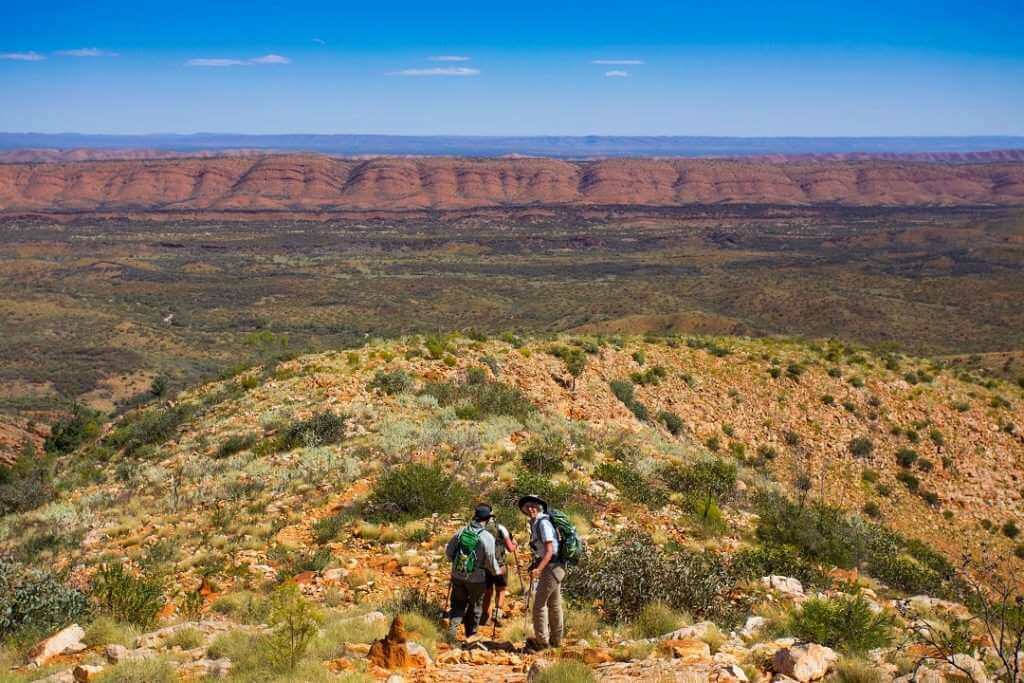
(500, 581)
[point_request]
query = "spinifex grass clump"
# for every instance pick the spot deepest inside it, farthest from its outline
(480, 400)
(415, 490)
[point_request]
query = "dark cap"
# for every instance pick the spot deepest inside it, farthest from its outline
(482, 512)
(533, 499)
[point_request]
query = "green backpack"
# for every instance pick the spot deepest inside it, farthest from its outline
(570, 547)
(465, 552)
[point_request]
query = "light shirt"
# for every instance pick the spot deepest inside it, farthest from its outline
(542, 531)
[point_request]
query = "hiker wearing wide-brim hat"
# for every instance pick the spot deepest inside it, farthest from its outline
(471, 552)
(547, 574)
(533, 499)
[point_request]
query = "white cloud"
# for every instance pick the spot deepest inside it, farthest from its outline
(265, 59)
(623, 62)
(319, 41)
(87, 52)
(215, 62)
(29, 56)
(448, 58)
(438, 71)
(617, 73)
(271, 59)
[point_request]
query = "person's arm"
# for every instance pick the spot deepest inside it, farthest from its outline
(506, 538)
(449, 550)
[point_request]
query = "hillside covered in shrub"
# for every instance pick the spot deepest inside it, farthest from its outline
(750, 508)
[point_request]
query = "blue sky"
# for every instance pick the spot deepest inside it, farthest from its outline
(525, 68)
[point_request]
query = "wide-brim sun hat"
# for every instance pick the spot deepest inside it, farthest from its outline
(483, 512)
(530, 498)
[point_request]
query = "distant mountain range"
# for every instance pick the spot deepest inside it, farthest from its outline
(293, 182)
(589, 146)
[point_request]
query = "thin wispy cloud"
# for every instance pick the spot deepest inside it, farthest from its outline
(218, 62)
(616, 73)
(319, 41)
(448, 58)
(623, 62)
(29, 56)
(438, 71)
(86, 52)
(271, 59)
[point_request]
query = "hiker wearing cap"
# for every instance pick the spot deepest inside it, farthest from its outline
(497, 583)
(471, 552)
(547, 573)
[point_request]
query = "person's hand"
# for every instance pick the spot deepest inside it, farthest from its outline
(535, 573)
(501, 571)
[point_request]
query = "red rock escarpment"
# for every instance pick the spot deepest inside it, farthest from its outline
(308, 182)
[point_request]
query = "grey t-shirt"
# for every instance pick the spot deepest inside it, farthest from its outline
(485, 559)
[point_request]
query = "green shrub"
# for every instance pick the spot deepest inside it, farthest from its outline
(828, 399)
(35, 603)
(391, 383)
(782, 560)
(845, 623)
(243, 606)
(651, 376)
(321, 429)
(124, 597)
(821, 533)
(567, 671)
(146, 670)
(909, 480)
(631, 484)
(28, 483)
(767, 453)
(545, 453)
(528, 483)
(871, 509)
(186, 638)
(69, 433)
(480, 401)
(235, 444)
(575, 361)
(710, 479)
(869, 476)
(925, 465)
(657, 619)
(624, 391)
(295, 622)
(857, 671)
(631, 572)
(673, 423)
(906, 457)
(1011, 530)
(326, 529)
(150, 427)
(861, 446)
(415, 490)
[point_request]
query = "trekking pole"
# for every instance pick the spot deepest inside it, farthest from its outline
(446, 607)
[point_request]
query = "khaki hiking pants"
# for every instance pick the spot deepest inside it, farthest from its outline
(547, 606)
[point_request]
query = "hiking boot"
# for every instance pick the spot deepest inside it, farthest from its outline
(499, 618)
(535, 645)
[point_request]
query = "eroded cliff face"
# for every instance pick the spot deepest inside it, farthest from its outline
(307, 182)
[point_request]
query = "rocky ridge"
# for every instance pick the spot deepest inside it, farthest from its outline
(285, 182)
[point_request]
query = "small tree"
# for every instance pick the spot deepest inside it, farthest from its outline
(295, 623)
(575, 362)
(997, 612)
(710, 478)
